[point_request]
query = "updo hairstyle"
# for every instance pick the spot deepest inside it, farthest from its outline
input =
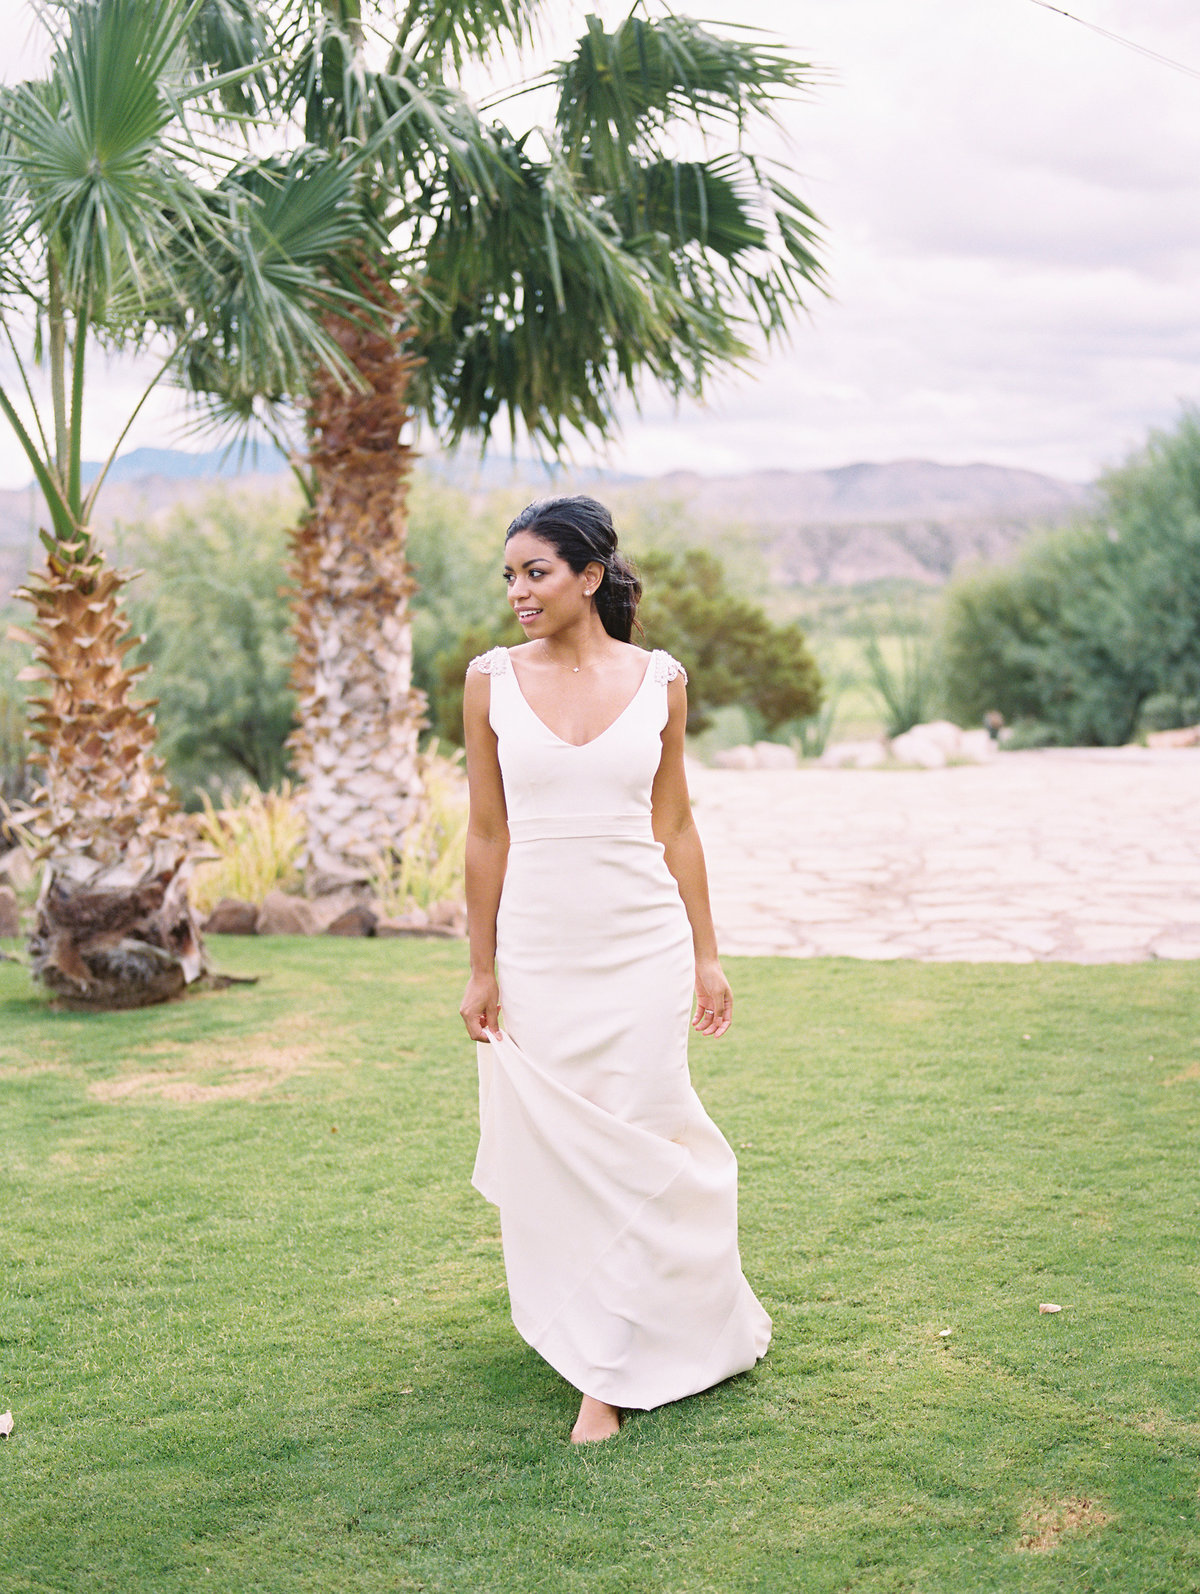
(581, 531)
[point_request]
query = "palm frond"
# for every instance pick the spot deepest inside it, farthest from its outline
(540, 313)
(88, 149)
(620, 89)
(462, 30)
(228, 36)
(269, 274)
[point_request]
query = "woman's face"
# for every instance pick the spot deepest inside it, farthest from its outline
(543, 590)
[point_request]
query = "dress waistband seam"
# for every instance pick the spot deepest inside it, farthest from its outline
(555, 827)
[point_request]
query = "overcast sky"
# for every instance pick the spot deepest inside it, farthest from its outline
(1012, 214)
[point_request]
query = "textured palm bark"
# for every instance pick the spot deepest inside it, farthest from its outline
(113, 928)
(355, 746)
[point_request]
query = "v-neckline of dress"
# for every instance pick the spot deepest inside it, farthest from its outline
(594, 739)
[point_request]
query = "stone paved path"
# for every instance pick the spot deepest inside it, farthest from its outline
(1082, 856)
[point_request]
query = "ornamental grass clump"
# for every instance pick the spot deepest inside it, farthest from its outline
(427, 868)
(251, 845)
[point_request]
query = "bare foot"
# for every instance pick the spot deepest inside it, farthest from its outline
(596, 1420)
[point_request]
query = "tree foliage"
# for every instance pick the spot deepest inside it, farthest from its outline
(547, 270)
(1092, 625)
(732, 651)
(213, 607)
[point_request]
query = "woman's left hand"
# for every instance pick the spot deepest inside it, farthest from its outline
(714, 999)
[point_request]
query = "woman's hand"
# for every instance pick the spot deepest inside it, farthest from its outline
(714, 999)
(480, 1006)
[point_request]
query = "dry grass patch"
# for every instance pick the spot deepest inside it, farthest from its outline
(1046, 1525)
(219, 1069)
(245, 1082)
(1182, 1079)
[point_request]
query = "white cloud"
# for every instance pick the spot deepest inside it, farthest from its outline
(1013, 221)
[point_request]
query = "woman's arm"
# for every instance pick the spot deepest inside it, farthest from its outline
(487, 855)
(675, 828)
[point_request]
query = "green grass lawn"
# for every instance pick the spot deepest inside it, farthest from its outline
(254, 1331)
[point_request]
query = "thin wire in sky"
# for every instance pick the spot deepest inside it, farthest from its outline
(1117, 38)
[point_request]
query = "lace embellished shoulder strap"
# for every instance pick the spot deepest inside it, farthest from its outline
(494, 662)
(666, 668)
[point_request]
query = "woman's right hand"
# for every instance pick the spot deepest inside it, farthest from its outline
(480, 1006)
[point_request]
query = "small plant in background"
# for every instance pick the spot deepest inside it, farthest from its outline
(428, 866)
(906, 687)
(813, 733)
(256, 837)
(16, 774)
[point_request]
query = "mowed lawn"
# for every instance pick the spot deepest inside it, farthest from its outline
(254, 1331)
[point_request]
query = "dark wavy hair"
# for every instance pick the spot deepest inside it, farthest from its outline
(581, 531)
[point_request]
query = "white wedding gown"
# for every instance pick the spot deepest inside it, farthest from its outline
(617, 1192)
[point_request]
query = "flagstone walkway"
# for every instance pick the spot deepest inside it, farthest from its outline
(1086, 856)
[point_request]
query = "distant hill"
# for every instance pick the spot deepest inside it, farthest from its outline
(176, 464)
(910, 519)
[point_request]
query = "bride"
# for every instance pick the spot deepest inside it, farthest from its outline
(590, 931)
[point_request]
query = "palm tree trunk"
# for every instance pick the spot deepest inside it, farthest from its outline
(355, 746)
(114, 928)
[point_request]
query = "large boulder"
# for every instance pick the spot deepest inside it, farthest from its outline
(853, 755)
(357, 919)
(231, 916)
(282, 914)
(939, 742)
(735, 758)
(763, 755)
(914, 747)
(774, 755)
(443, 918)
(1185, 736)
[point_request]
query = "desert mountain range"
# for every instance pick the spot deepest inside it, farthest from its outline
(910, 519)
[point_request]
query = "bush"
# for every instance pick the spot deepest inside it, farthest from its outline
(1095, 623)
(213, 607)
(16, 774)
(429, 864)
(732, 651)
(906, 685)
(256, 838)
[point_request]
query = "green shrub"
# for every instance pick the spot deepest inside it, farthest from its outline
(732, 651)
(906, 684)
(16, 774)
(253, 842)
(213, 607)
(1092, 623)
(429, 864)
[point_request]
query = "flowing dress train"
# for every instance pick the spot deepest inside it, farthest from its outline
(617, 1192)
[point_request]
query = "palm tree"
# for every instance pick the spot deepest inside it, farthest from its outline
(123, 227)
(534, 278)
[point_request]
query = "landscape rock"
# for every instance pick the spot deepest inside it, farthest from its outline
(231, 916)
(1185, 736)
(853, 755)
(763, 755)
(282, 914)
(978, 746)
(774, 755)
(414, 923)
(449, 917)
(735, 758)
(937, 743)
(10, 913)
(356, 920)
(916, 748)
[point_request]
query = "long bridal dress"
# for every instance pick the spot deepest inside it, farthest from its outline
(617, 1192)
